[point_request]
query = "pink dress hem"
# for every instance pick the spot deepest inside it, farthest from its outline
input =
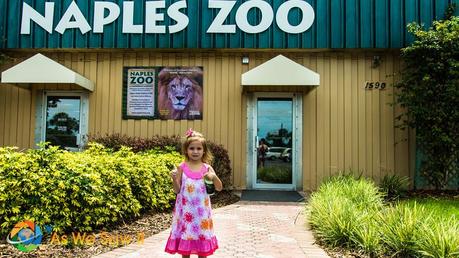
(186, 247)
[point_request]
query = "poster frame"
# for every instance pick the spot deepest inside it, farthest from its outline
(124, 107)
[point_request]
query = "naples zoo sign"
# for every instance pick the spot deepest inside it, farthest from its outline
(106, 13)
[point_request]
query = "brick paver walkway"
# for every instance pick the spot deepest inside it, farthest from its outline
(245, 229)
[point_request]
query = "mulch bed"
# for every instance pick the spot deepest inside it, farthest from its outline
(149, 224)
(342, 253)
(450, 194)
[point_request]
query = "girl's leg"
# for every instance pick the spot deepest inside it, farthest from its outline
(185, 256)
(202, 256)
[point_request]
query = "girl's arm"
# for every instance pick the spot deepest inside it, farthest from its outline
(211, 175)
(176, 175)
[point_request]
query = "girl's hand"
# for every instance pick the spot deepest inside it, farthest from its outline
(174, 172)
(210, 175)
(176, 175)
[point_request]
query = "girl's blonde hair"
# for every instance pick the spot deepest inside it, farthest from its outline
(192, 136)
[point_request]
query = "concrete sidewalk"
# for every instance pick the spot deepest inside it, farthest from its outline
(245, 229)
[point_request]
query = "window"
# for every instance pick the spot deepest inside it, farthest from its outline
(62, 119)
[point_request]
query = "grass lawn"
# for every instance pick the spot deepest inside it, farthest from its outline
(440, 207)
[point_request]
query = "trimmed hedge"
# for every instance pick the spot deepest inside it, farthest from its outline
(82, 191)
(221, 162)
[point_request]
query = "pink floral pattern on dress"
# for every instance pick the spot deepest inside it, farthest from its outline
(192, 225)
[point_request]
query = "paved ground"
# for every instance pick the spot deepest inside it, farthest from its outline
(245, 229)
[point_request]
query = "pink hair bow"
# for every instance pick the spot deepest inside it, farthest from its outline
(189, 132)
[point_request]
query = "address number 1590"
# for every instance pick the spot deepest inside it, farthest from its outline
(375, 85)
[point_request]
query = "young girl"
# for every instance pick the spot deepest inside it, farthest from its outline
(192, 226)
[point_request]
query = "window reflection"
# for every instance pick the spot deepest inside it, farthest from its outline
(274, 129)
(63, 121)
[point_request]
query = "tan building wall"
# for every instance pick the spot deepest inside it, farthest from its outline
(344, 125)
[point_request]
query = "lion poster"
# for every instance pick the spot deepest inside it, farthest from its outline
(180, 93)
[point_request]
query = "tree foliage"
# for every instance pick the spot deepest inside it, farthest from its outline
(3, 58)
(429, 90)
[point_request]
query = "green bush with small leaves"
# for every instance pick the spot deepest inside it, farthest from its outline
(429, 96)
(82, 191)
(221, 162)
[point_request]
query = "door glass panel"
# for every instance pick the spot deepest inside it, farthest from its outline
(63, 121)
(274, 131)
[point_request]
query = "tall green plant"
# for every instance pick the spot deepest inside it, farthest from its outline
(400, 228)
(429, 90)
(393, 186)
(342, 213)
(440, 239)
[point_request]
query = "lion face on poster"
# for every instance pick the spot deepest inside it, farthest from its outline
(180, 94)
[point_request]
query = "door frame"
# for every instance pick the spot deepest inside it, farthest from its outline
(297, 132)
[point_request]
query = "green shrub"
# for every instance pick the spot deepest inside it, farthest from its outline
(84, 190)
(332, 220)
(342, 213)
(438, 226)
(137, 144)
(221, 163)
(348, 212)
(429, 96)
(393, 186)
(367, 236)
(401, 228)
(362, 192)
(440, 238)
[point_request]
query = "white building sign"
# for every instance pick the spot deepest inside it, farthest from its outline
(106, 13)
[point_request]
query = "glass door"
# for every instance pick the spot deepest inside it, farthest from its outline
(63, 121)
(274, 141)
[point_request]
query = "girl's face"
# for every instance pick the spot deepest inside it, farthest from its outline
(195, 151)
